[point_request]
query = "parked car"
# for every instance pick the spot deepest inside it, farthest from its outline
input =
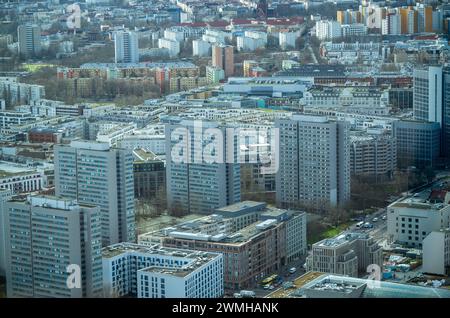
(292, 270)
(375, 220)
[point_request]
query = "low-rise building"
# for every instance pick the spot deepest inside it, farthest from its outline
(255, 240)
(411, 219)
(346, 254)
(154, 271)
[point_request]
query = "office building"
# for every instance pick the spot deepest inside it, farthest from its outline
(154, 271)
(373, 155)
(200, 48)
(436, 253)
(29, 38)
(94, 173)
(45, 235)
(126, 47)
(427, 94)
(346, 254)
(223, 57)
(418, 143)
(5, 195)
(445, 146)
(255, 240)
(314, 161)
(411, 219)
(149, 174)
(202, 170)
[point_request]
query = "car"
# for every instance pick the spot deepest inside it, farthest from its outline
(375, 220)
(384, 217)
(267, 286)
(292, 270)
(368, 225)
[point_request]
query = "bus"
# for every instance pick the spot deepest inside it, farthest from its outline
(359, 224)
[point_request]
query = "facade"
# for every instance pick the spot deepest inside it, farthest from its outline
(223, 57)
(373, 155)
(346, 254)
(158, 272)
(5, 195)
(445, 148)
(314, 166)
(194, 184)
(287, 39)
(328, 30)
(214, 74)
(436, 253)
(126, 47)
(418, 143)
(254, 239)
(94, 173)
(44, 235)
(29, 37)
(171, 45)
(200, 48)
(412, 219)
(427, 100)
(149, 174)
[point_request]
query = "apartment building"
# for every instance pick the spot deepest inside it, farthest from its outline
(314, 166)
(200, 178)
(45, 235)
(94, 173)
(126, 47)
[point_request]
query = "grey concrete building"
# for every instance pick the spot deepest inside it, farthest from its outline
(45, 235)
(418, 143)
(94, 173)
(29, 40)
(202, 170)
(314, 167)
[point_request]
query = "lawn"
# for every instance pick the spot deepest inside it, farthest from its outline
(32, 68)
(328, 232)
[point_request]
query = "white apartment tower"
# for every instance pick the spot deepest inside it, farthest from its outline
(126, 47)
(314, 168)
(93, 173)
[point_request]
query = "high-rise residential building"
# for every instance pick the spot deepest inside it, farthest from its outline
(427, 98)
(94, 173)
(202, 171)
(155, 271)
(5, 195)
(418, 143)
(445, 141)
(314, 164)
(29, 37)
(126, 47)
(424, 18)
(45, 237)
(328, 30)
(223, 57)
